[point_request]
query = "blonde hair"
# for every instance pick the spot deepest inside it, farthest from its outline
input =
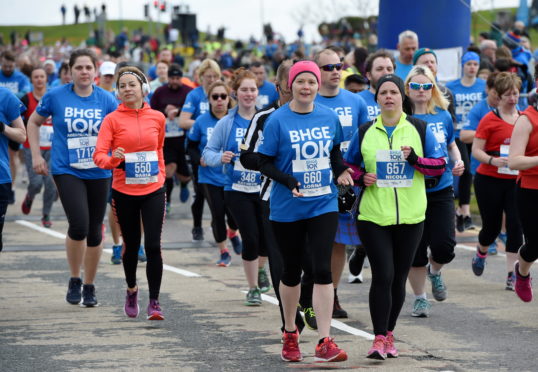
(208, 64)
(438, 98)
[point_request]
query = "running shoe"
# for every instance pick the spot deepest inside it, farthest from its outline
(141, 254)
(154, 310)
(328, 351)
(468, 223)
(225, 259)
(390, 349)
(254, 297)
(523, 285)
(309, 316)
(74, 291)
(356, 261)
(115, 259)
(377, 351)
(290, 347)
(197, 234)
(45, 221)
(263, 281)
(421, 308)
(355, 279)
(26, 205)
(479, 262)
(237, 245)
(510, 281)
(88, 296)
(460, 224)
(338, 312)
(492, 249)
(438, 286)
(502, 236)
(131, 308)
(168, 207)
(184, 193)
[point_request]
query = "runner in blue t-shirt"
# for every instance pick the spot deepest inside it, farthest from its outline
(407, 45)
(11, 129)
(211, 180)
(13, 79)
(77, 110)
(352, 112)
(301, 153)
(267, 93)
(439, 232)
(378, 65)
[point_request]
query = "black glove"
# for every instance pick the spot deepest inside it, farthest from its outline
(121, 165)
(412, 158)
(292, 183)
(2, 127)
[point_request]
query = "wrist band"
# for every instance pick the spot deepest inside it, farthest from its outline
(490, 160)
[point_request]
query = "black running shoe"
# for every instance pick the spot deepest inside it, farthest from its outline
(88, 296)
(73, 291)
(309, 316)
(338, 312)
(468, 223)
(356, 261)
(197, 234)
(460, 223)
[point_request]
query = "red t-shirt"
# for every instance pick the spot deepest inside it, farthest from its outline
(528, 178)
(496, 132)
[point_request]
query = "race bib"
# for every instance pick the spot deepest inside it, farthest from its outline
(141, 167)
(45, 135)
(393, 170)
(172, 129)
(315, 176)
(506, 170)
(81, 151)
(245, 180)
(344, 146)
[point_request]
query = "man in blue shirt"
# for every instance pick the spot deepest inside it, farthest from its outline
(407, 45)
(267, 93)
(378, 65)
(11, 78)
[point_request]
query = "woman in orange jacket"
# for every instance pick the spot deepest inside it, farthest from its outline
(131, 142)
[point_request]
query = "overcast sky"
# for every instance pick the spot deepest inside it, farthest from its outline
(242, 18)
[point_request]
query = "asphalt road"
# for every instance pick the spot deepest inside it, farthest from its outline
(481, 326)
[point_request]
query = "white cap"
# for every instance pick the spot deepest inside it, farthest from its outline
(107, 68)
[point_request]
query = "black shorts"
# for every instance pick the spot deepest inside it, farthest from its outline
(174, 152)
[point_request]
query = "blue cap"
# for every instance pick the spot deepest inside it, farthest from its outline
(470, 56)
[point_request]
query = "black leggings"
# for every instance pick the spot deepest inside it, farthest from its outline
(390, 250)
(466, 179)
(495, 195)
(247, 212)
(319, 231)
(439, 231)
(219, 211)
(527, 200)
(5, 190)
(84, 203)
(128, 209)
(197, 206)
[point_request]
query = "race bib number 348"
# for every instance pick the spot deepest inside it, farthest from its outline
(393, 170)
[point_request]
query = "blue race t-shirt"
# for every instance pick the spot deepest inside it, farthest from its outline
(442, 128)
(389, 130)
(17, 83)
(351, 111)
(76, 121)
(371, 105)
(196, 103)
(267, 94)
(465, 98)
(402, 70)
(10, 109)
(301, 145)
(475, 115)
(201, 132)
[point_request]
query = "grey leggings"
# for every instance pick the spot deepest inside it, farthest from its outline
(36, 181)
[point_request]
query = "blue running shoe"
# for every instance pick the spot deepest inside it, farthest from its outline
(237, 244)
(479, 263)
(141, 254)
(74, 293)
(184, 193)
(492, 249)
(225, 259)
(502, 237)
(116, 255)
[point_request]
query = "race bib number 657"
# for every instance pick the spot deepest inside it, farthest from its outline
(393, 170)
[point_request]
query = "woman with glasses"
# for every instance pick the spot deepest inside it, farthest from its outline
(495, 182)
(393, 154)
(431, 106)
(212, 179)
(242, 187)
(301, 153)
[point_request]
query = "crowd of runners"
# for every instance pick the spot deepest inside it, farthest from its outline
(335, 151)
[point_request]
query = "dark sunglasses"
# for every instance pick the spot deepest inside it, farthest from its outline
(417, 86)
(216, 96)
(332, 66)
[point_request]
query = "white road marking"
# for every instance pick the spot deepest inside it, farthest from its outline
(473, 249)
(44, 230)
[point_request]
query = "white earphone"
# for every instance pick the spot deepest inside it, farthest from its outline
(146, 89)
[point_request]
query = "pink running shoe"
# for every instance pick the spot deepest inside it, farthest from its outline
(290, 347)
(328, 351)
(131, 308)
(523, 286)
(377, 351)
(390, 349)
(154, 310)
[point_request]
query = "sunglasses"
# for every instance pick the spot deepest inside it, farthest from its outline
(332, 66)
(417, 86)
(222, 96)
